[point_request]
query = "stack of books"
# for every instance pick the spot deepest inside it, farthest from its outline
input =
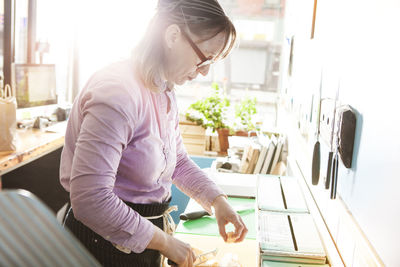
(285, 228)
(289, 238)
(262, 155)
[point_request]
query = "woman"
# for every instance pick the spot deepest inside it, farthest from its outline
(123, 149)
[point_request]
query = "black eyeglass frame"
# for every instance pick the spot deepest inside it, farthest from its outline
(204, 60)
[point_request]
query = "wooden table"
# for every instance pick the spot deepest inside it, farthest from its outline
(31, 144)
(246, 250)
(201, 235)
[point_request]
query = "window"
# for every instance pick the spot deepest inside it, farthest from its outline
(1, 35)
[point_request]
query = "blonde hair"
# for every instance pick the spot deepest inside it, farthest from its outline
(149, 58)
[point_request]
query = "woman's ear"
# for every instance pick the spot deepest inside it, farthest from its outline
(172, 35)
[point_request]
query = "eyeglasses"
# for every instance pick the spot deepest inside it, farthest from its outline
(205, 61)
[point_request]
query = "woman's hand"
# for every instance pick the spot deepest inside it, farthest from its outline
(179, 252)
(225, 214)
(175, 250)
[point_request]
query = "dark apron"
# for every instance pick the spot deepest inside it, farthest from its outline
(105, 252)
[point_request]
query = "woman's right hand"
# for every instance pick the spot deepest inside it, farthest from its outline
(175, 250)
(179, 252)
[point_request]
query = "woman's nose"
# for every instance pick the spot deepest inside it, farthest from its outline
(204, 70)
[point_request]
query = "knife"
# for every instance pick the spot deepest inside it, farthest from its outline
(330, 156)
(335, 165)
(316, 158)
(334, 176)
(329, 170)
(201, 213)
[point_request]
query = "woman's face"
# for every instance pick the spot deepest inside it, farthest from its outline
(182, 60)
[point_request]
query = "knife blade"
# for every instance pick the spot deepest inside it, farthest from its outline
(201, 213)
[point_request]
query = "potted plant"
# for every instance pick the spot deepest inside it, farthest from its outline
(210, 112)
(244, 114)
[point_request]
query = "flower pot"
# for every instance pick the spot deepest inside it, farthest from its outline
(245, 133)
(241, 133)
(223, 134)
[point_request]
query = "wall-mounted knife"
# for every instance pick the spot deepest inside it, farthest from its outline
(330, 156)
(335, 165)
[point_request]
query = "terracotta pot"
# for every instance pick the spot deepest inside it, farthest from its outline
(245, 133)
(223, 134)
(241, 133)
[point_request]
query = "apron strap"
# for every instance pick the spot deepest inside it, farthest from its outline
(169, 227)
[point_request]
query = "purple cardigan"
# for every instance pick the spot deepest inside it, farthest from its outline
(123, 143)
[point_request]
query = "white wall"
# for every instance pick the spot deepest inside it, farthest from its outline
(359, 42)
(370, 82)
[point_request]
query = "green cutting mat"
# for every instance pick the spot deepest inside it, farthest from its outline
(208, 226)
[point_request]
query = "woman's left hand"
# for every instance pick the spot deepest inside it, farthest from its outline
(225, 214)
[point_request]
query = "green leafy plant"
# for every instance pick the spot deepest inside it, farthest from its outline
(244, 112)
(210, 111)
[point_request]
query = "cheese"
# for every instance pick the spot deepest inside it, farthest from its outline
(231, 237)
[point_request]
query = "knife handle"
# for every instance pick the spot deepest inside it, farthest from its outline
(316, 163)
(334, 176)
(171, 263)
(329, 171)
(193, 215)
